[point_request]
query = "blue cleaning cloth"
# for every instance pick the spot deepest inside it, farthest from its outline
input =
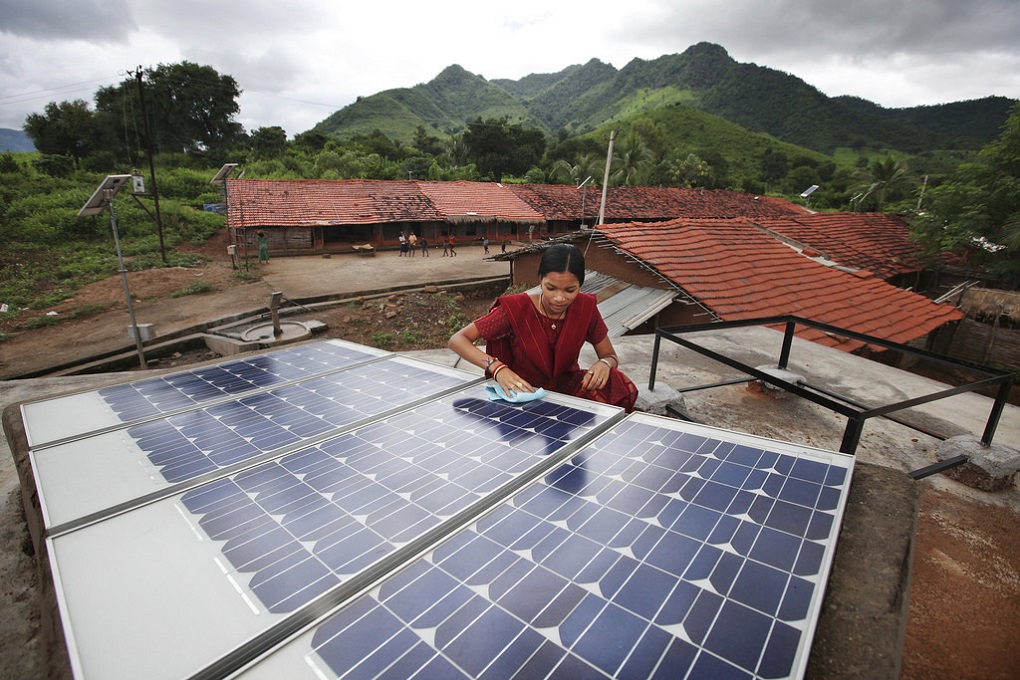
(496, 392)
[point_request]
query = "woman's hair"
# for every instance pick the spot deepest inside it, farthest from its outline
(561, 258)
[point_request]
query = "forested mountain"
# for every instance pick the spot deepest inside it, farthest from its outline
(15, 140)
(581, 98)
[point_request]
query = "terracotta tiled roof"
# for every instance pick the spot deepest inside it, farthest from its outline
(873, 241)
(478, 200)
(562, 202)
(639, 203)
(739, 273)
(302, 202)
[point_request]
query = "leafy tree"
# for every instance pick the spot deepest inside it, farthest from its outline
(8, 163)
(774, 166)
(310, 141)
(426, 143)
(378, 143)
(54, 165)
(191, 108)
(693, 172)
(65, 129)
(269, 142)
(500, 148)
(976, 213)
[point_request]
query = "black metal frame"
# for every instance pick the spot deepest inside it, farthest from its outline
(855, 413)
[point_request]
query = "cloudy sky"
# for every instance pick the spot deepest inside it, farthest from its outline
(298, 62)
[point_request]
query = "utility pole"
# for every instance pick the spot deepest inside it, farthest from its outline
(152, 166)
(605, 180)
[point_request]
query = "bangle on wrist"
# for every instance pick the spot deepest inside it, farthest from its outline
(498, 369)
(603, 360)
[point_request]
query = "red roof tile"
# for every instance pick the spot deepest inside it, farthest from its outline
(302, 202)
(741, 273)
(481, 199)
(563, 202)
(873, 241)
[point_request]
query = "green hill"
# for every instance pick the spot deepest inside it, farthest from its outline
(582, 98)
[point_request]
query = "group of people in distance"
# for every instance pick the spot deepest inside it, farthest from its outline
(410, 243)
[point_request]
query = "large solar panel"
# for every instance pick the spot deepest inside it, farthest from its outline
(221, 564)
(92, 472)
(663, 550)
(369, 515)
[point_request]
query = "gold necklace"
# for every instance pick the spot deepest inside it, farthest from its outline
(541, 303)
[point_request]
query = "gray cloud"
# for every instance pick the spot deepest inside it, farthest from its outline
(298, 65)
(96, 21)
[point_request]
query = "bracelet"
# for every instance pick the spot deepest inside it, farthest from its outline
(498, 369)
(603, 360)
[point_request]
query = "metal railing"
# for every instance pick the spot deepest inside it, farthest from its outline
(856, 413)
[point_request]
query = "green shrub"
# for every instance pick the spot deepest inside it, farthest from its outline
(381, 339)
(193, 289)
(411, 336)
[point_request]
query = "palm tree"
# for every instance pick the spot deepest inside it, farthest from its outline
(457, 151)
(588, 165)
(632, 160)
(887, 176)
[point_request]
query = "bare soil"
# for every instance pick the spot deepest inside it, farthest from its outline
(965, 595)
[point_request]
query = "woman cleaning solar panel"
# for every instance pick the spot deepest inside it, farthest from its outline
(534, 340)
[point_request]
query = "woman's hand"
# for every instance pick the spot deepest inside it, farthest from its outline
(596, 377)
(512, 383)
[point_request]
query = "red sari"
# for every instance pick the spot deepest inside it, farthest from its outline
(544, 351)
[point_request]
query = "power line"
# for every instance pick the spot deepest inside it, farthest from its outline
(41, 94)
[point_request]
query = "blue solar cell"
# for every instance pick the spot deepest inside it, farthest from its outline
(739, 635)
(677, 660)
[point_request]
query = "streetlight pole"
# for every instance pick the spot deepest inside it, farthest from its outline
(221, 178)
(101, 199)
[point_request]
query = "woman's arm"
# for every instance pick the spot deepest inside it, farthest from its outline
(463, 343)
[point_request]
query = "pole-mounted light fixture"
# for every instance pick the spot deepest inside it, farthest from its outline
(102, 198)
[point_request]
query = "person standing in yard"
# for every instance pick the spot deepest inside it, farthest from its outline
(485, 244)
(453, 245)
(412, 242)
(446, 245)
(503, 245)
(424, 246)
(263, 242)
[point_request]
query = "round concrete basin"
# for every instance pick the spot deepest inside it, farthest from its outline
(292, 331)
